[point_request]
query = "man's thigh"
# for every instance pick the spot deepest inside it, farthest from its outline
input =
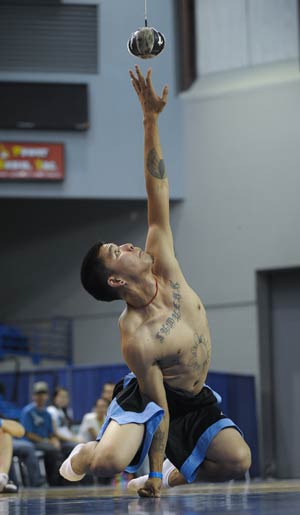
(227, 446)
(22, 447)
(120, 442)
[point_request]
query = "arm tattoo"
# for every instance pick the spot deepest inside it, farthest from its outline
(158, 442)
(156, 166)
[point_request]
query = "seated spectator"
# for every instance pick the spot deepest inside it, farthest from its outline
(25, 451)
(39, 430)
(107, 391)
(92, 422)
(8, 429)
(61, 416)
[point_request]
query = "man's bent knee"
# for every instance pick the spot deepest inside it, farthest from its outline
(107, 464)
(240, 462)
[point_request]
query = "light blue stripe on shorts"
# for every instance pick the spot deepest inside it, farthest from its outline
(190, 467)
(150, 417)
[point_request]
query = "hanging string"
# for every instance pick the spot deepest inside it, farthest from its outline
(146, 16)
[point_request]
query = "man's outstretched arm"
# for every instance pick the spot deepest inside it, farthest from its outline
(156, 180)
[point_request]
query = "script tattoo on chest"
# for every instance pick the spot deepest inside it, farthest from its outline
(195, 362)
(175, 315)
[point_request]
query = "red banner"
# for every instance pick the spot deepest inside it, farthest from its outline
(40, 161)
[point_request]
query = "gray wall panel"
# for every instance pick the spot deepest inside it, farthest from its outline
(48, 38)
(273, 30)
(221, 35)
(107, 160)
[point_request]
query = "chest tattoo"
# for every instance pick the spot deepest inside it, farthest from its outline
(175, 315)
(197, 362)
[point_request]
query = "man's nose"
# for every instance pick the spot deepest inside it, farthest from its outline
(128, 246)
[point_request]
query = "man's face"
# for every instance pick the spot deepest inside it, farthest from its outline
(107, 392)
(41, 399)
(125, 259)
(101, 408)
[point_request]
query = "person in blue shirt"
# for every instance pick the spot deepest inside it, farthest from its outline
(39, 430)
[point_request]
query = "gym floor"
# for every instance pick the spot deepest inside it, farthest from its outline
(257, 497)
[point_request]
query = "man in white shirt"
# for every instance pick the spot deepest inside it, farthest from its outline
(92, 422)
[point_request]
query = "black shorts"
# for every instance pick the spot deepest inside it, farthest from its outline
(194, 422)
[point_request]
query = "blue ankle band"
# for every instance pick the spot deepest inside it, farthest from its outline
(155, 474)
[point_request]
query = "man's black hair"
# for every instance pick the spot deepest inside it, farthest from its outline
(94, 275)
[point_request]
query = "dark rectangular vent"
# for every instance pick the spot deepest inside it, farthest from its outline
(48, 38)
(26, 105)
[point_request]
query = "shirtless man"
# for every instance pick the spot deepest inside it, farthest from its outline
(165, 341)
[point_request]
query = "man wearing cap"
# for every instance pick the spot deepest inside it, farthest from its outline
(39, 430)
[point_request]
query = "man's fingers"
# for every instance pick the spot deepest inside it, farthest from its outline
(144, 492)
(140, 76)
(149, 78)
(136, 87)
(149, 81)
(165, 94)
(135, 82)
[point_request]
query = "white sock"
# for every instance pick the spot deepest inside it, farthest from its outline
(66, 470)
(135, 484)
(3, 480)
(138, 482)
(168, 467)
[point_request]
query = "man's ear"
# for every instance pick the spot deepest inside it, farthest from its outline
(115, 282)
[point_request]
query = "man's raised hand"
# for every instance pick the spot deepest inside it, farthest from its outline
(151, 103)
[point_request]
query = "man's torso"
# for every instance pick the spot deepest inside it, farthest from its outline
(176, 332)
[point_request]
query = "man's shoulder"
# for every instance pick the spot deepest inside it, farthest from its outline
(28, 408)
(129, 322)
(90, 416)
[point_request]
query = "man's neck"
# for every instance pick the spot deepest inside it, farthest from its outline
(144, 295)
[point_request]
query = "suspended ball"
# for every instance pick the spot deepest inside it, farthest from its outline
(146, 42)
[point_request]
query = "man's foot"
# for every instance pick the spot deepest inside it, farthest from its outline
(3, 481)
(137, 483)
(10, 488)
(66, 470)
(6, 486)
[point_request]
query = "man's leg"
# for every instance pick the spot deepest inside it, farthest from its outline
(5, 458)
(111, 455)
(6, 486)
(26, 453)
(228, 457)
(53, 459)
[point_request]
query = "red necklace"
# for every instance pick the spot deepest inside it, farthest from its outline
(151, 300)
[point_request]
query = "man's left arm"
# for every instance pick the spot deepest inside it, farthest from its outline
(151, 385)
